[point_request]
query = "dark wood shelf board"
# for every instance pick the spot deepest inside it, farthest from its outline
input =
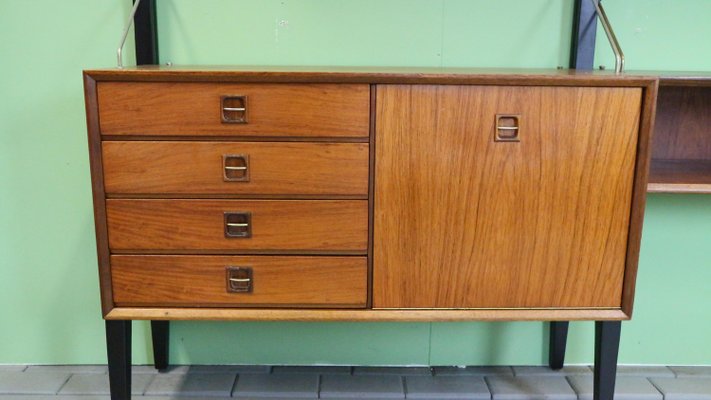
(680, 176)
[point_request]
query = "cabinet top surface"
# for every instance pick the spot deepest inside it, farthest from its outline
(407, 75)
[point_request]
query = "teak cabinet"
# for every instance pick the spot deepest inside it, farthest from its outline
(420, 195)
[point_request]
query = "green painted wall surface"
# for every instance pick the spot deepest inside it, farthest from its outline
(49, 304)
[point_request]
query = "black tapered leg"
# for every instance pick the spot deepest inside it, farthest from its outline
(118, 345)
(558, 341)
(160, 332)
(607, 345)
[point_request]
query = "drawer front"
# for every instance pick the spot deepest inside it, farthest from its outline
(202, 281)
(258, 225)
(235, 168)
(185, 109)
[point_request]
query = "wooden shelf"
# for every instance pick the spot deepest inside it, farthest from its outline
(681, 144)
(680, 176)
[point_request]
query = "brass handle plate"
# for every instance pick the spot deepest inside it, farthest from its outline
(233, 109)
(239, 279)
(238, 224)
(507, 128)
(235, 167)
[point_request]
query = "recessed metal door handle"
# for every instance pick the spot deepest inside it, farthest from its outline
(507, 128)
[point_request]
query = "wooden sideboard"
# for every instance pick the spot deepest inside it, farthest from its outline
(367, 194)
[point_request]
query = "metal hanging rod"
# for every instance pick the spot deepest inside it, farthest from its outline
(619, 56)
(119, 51)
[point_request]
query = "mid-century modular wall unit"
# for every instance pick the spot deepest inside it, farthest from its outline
(367, 194)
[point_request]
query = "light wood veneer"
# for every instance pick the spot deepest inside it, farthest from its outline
(199, 281)
(464, 221)
(375, 194)
(196, 168)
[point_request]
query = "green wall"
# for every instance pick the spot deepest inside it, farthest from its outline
(49, 301)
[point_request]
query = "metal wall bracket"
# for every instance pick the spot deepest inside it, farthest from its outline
(581, 53)
(619, 56)
(144, 15)
(582, 47)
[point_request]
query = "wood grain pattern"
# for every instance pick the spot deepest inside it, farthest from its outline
(200, 281)
(153, 108)
(462, 221)
(274, 168)
(683, 124)
(639, 194)
(374, 75)
(98, 194)
(229, 314)
(277, 225)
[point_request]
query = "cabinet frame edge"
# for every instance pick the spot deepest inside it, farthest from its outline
(639, 194)
(367, 315)
(98, 192)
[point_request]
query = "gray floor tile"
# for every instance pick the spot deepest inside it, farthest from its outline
(45, 382)
(568, 370)
(192, 384)
(683, 388)
(229, 369)
(530, 388)
(446, 387)
(361, 387)
(626, 388)
(98, 384)
(692, 372)
(12, 368)
(296, 386)
(150, 369)
(55, 397)
(180, 397)
(645, 371)
(310, 370)
(70, 369)
(473, 371)
(400, 371)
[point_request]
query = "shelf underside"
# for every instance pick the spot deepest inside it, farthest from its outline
(680, 176)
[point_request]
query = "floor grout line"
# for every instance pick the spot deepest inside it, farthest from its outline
(489, 380)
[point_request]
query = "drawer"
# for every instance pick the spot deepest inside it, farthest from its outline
(235, 168)
(255, 225)
(186, 109)
(260, 281)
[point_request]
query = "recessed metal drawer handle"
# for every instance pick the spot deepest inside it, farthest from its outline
(235, 167)
(239, 279)
(508, 128)
(233, 109)
(238, 225)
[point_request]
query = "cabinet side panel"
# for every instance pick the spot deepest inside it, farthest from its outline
(97, 186)
(639, 196)
(464, 221)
